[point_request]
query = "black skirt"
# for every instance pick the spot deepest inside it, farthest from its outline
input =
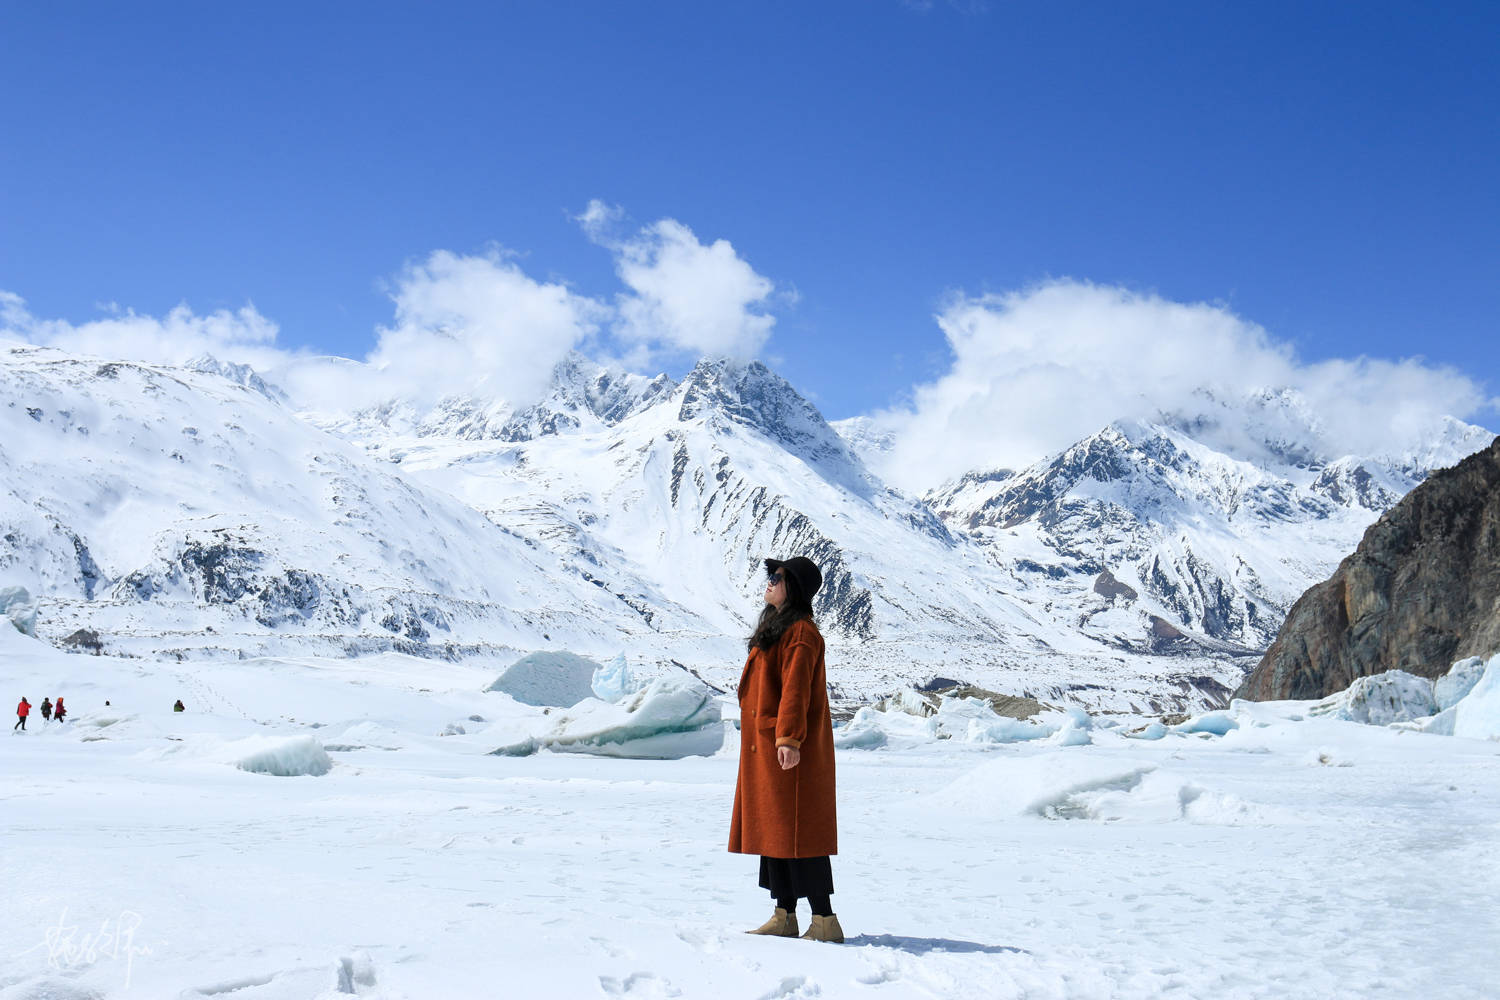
(796, 878)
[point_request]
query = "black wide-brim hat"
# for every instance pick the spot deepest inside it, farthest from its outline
(801, 569)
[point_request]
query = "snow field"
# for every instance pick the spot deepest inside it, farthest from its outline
(1291, 856)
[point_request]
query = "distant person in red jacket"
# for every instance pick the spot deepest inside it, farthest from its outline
(22, 710)
(58, 711)
(46, 709)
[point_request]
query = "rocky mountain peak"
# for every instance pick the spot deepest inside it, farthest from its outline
(238, 374)
(1275, 425)
(751, 395)
(1420, 592)
(580, 393)
(1350, 482)
(1117, 452)
(972, 489)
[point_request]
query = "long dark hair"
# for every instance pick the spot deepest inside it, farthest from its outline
(775, 621)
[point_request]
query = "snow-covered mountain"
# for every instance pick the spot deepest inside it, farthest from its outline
(672, 498)
(187, 511)
(1209, 550)
(192, 510)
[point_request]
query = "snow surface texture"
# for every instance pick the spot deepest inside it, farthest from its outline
(302, 755)
(1463, 702)
(552, 678)
(420, 866)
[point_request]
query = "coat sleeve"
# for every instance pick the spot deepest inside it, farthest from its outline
(798, 664)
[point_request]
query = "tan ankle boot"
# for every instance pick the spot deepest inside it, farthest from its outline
(783, 923)
(825, 929)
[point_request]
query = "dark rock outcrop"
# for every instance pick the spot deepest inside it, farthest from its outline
(1163, 629)
(83, 641)
(1421, 591)
(1011, 706)
(1106, 585)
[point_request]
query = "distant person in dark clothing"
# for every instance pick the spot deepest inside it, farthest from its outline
(46, 709)
(179, 707)
(22, 710)
(58, 711)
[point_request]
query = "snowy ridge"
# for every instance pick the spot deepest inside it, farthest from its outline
(238, 374)
(648, 507)
(753, 396)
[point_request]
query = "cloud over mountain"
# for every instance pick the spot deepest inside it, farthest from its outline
(470, 324)
(478, 324)
(124, 333)
(685, 296)
(1033, 370)
(1036, 369)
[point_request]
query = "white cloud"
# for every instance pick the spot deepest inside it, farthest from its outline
(463, 324)
(1036, 370)
(685, 296)
(478, 324)
(600, 221)
(468, 324)
(242, 335)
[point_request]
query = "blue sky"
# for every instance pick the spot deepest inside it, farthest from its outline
(1326, 171)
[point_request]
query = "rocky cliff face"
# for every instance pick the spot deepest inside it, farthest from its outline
(1421, 591)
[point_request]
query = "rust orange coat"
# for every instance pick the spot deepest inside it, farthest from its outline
(784, 702)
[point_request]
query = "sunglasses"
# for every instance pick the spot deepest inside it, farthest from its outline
(775, 579)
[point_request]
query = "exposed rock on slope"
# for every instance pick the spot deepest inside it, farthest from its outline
(1421, 591)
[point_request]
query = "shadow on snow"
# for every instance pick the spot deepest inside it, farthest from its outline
(921, 946)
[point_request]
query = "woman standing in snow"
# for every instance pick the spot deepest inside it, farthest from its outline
(784, 799)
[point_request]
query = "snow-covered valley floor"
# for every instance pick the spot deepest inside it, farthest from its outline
(1308, 858)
